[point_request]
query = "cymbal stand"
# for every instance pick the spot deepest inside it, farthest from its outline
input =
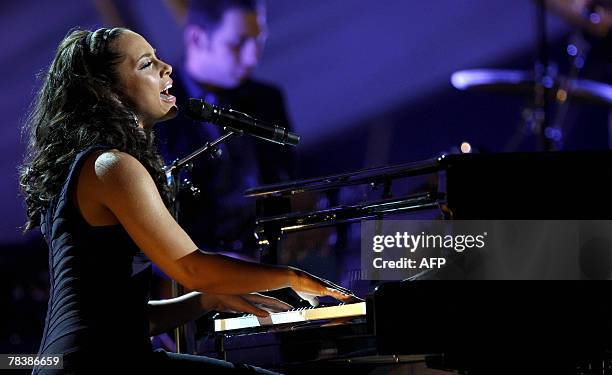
(577, 50)
(544, 80)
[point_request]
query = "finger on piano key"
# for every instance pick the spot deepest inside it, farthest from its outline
(268, 303)
(311, 298)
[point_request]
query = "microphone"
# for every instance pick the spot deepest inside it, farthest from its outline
(239, 122)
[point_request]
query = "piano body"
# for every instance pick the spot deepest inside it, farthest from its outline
(463, 325)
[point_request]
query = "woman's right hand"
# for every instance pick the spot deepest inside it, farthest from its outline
(309, 287)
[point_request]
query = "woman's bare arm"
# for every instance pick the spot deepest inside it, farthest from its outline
(120, 183)
(167, 314)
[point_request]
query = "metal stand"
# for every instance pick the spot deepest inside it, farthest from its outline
(549, 128)
(185, 335)
(544, 80)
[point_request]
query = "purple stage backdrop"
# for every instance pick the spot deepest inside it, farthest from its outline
(342, 64)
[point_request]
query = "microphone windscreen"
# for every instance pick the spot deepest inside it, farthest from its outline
(292, 139)
(199, 110)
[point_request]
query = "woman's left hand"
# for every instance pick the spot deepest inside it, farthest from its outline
(254, 303)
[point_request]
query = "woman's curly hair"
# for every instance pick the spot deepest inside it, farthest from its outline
(79, 106)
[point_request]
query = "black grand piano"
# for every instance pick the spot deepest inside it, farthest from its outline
(447, 319)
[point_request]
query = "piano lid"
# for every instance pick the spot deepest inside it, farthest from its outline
(370, 175)
(485, 162)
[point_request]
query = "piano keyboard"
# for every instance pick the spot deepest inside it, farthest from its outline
(292, 316)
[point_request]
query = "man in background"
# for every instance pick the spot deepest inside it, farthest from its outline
(223, 41)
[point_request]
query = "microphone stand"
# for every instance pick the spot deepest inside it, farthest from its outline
(184, 335)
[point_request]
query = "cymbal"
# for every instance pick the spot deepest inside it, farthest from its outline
(523, 82)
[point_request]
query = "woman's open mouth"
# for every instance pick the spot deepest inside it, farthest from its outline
(165, 94)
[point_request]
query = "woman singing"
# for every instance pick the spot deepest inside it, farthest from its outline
(93, 182)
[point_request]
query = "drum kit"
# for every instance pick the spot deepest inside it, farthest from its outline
(552, 92)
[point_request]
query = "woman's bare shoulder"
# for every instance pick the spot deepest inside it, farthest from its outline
(110, 170)
(112, 167)
(111, 162)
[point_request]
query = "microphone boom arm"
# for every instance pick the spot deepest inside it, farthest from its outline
(239, 122)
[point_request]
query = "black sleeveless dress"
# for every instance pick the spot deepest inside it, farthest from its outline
(99, 280)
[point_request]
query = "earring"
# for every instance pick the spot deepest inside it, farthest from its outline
(135, 119)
